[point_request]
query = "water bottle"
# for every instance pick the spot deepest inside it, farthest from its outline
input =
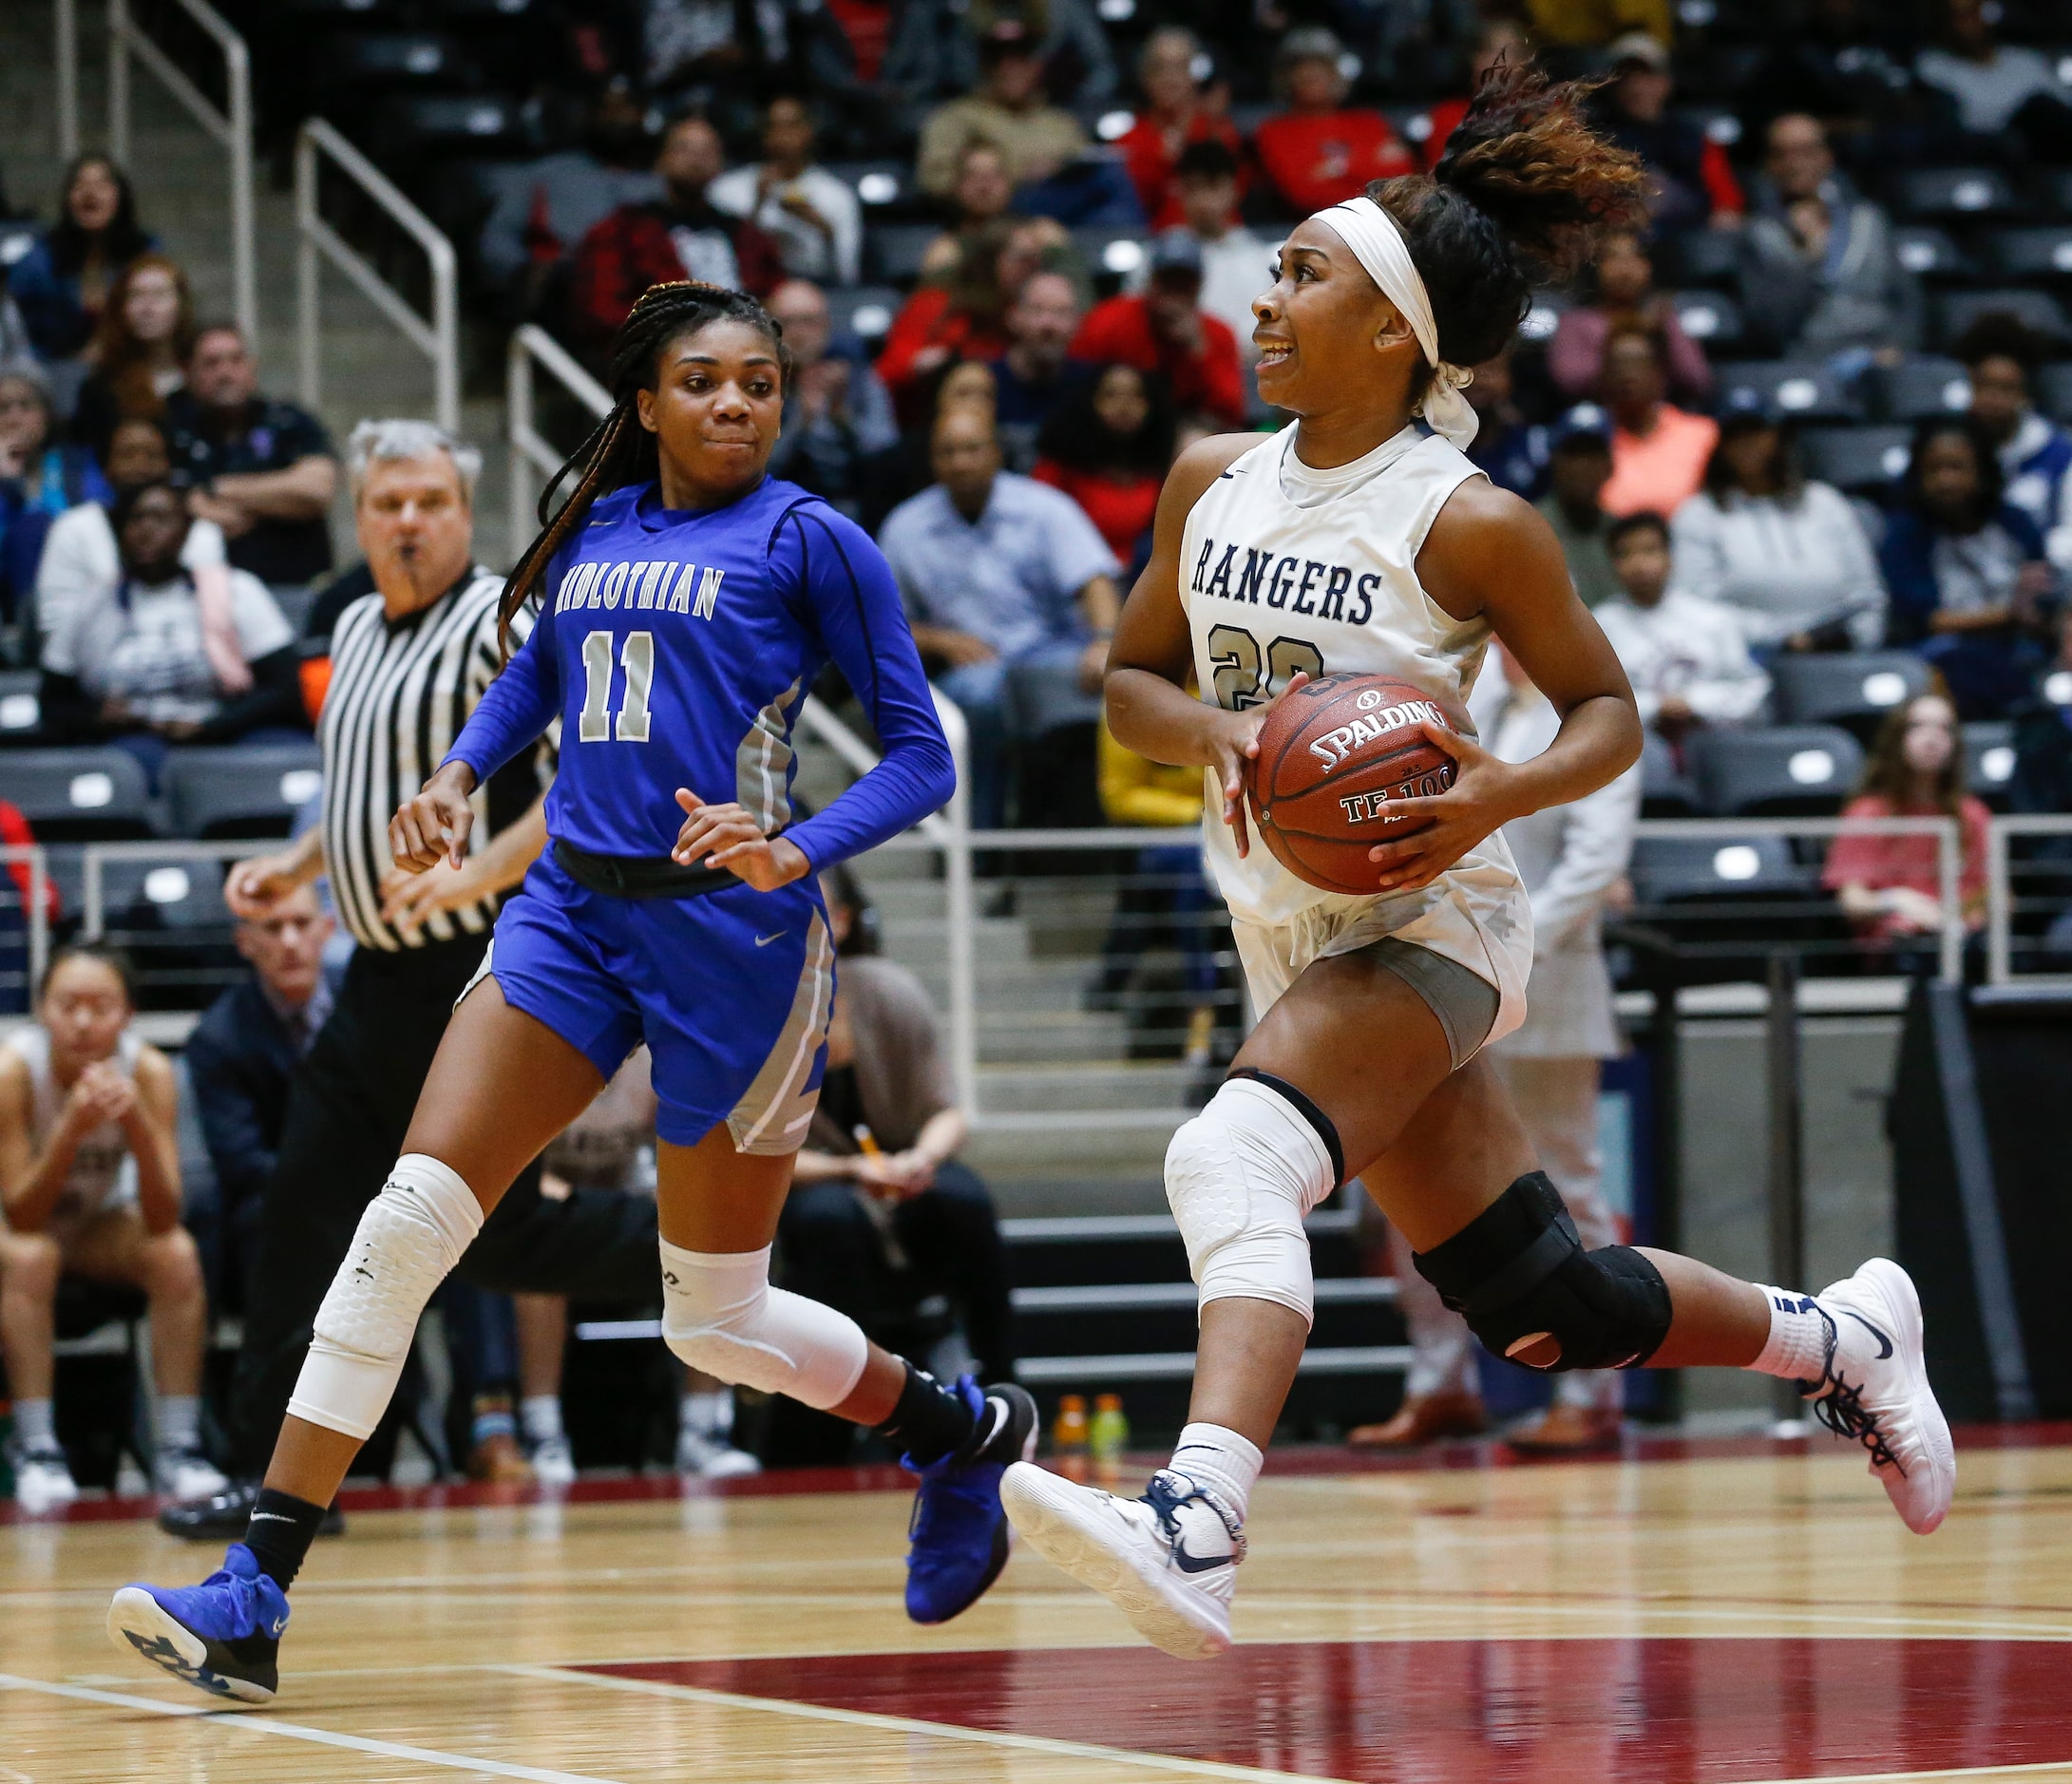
(1109, 1434)
(1068, 1436)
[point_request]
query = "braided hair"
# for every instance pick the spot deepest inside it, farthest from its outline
(619, 451)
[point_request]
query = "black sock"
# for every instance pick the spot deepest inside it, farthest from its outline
(280, 1533)
(930, 1420)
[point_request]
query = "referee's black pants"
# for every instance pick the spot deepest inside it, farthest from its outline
(348, 1112)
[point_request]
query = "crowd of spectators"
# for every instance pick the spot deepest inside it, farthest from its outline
(1014, 248)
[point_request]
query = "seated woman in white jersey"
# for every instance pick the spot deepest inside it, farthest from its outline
(90, 1182)
(1359, 541)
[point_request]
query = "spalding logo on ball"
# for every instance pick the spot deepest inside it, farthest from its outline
(1332, 757)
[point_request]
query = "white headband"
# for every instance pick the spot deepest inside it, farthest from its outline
(1377, 244)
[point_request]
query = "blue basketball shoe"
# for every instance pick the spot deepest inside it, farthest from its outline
(959, 1535)
(220, 1637)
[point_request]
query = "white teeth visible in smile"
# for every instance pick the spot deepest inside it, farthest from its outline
(1273, 355)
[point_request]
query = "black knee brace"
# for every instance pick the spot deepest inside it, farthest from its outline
(1517, 1273)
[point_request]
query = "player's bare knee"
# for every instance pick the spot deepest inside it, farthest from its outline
(1518, 1274)
(172, 1265)
(1239, 1177)
(30, 1264)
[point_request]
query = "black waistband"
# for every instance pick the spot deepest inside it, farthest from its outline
(639, 876)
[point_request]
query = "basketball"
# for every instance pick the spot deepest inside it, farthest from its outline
(1332, 757)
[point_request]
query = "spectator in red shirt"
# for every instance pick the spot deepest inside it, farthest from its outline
(1321, 151)
(1165, 331)
(1890, 886)
(1108, 446)
(1179, 111)
(962, 316)
(679, 236)
(1504, 40)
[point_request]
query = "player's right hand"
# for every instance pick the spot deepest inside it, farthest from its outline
(1234, 745)
(433, 826)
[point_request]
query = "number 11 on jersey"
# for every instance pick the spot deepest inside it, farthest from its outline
(637, 657)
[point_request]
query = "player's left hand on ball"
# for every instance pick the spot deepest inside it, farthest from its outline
(1476, 805)
(726, 836)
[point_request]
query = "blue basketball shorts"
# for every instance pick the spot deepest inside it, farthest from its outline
(732, 992)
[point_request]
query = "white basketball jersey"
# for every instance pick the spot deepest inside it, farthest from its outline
(1284, 568)
(104, 1173)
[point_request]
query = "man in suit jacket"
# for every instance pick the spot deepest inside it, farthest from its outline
(1570, 857)
(243, 1054)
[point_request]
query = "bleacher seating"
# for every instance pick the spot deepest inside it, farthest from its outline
(1956, 311)
(1803, 389)
(1923, 386)
(1783, 772)
(1966, 194)
(241, 792)
(1667, 792)
(21, 705)
(1989, 760)
(1678, 870)
(82, 795)
(1855, 690)
(1858, 460)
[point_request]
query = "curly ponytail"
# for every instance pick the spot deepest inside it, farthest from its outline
(1523, 191)
(619, 451)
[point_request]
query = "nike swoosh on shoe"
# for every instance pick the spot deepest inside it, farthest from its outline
(1885, 1342)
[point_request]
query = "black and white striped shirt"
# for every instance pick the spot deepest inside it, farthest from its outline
(400, 691)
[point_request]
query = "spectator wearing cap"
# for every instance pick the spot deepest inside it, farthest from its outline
(1181, 112)
(1684, 654)
(1013, 595)
(1623, 293)
(681, 235)
(1694, 183)
(2003, 96)
(1033, 377)
(263, 469)
(2000, 354)
(1321, 151)
(1659, 452)
(1235, 262)
(814, 217)
(839, 427)
(1498, 39)
(1007, 109)
(1578, 467)
(1509, 450)
(1966, 569)
(1819, 271)
(1789, 555)
(1164, 329)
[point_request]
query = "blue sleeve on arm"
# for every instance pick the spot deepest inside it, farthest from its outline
(848, 589)
(521, 703)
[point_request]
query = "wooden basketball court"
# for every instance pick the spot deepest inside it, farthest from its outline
(1732, 1611)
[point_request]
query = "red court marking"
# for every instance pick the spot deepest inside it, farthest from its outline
(1644, 1711)
(1292, 1460)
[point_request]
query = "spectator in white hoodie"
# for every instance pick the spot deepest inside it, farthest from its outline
(1790, 556)
(1685, 654)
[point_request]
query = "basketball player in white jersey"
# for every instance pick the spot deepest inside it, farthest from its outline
(1357, 541)
(89, 1182)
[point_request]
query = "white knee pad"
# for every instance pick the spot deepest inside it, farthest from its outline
(411, 1234)
(1239, 1177)
(719, 1313)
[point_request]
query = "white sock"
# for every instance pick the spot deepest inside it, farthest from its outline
(34, 1428)
(709, 1413)
(179, 1421)
(1217, 1458)
(1801, 1333)
(539, 1416)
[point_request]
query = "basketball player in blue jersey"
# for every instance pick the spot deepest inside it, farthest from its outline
(685, 603)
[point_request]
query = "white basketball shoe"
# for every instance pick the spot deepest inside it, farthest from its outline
(1875, 1390)
(1169, 1561)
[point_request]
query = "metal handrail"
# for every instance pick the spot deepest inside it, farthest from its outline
(233, 129)
(39, 918)
(64, 45)
(1999, 896)
(438, 339)
(93, 897)
(527, 447)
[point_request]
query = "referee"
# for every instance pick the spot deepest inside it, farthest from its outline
(409, 663)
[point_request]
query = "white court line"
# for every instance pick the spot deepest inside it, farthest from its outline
(247, 1723)
(913, 1725)
(2047, 1767)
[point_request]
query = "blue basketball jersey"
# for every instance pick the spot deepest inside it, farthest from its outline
(676, 646)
